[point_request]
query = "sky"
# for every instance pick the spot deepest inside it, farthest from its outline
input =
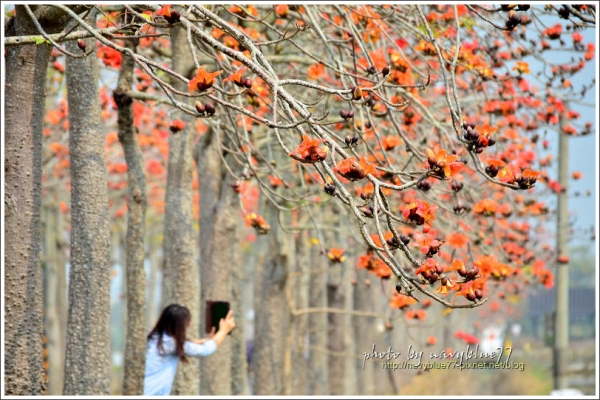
(583, 151)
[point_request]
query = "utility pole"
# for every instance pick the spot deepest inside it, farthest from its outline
(561, 324)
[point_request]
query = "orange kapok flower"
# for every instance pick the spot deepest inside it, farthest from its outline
(170, 15)
(336, 255)
(316, 71)
(527, 178)
(486, 207)
(445, 284)
(237, 77)
(458, 266)
(381, 269)
(416, 314)
(470, 290)
(420, 212)
(177, 125)
(431, 340)
(308, 151)
(258, 223)
(428, 266)
(457, 240)
(275, 181)
(354, 170)
(521, 67)
(203, 80)
(443, 164)
(390, 141)
(282, 10)
(401, 301)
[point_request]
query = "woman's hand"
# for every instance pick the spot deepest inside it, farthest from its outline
(228, 323)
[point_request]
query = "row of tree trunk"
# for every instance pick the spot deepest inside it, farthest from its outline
(297, 346)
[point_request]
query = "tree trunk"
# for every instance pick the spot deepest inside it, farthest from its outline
(338, 324)
(239, 364)
(26, 68)
(336, 334)
(135, 346)
(363, 329)
(317, 322)
(271, 313)
(240, 286)
(288, 352)
(152, 292)
(88, 361)
(180, 268)
(218, 214)
(300, 286)
(56, 301)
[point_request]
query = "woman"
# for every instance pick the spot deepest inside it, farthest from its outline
(167, 345)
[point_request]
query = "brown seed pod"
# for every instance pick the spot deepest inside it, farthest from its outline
(210, 108)
(357, 93)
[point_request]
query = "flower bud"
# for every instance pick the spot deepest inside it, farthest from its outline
(174, 17)
(491, 170)
(404, 240)
(200, 107)
(329, 189)
(210, 108)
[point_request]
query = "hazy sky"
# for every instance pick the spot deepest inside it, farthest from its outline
(583, 151)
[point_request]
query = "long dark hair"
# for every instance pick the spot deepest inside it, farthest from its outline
(173, 321)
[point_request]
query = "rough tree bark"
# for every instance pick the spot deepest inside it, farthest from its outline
(218, 220)
(180, 268)
(288, 349)
(55, 291)
(337, 329)
(239, 277)
(26, 68)
(272, 314)
(300, 286)
(87, 365)
(317, 322)
(363, 328)
(151, 287)
(135, 346)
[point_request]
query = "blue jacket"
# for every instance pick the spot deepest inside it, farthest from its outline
(162, 366)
